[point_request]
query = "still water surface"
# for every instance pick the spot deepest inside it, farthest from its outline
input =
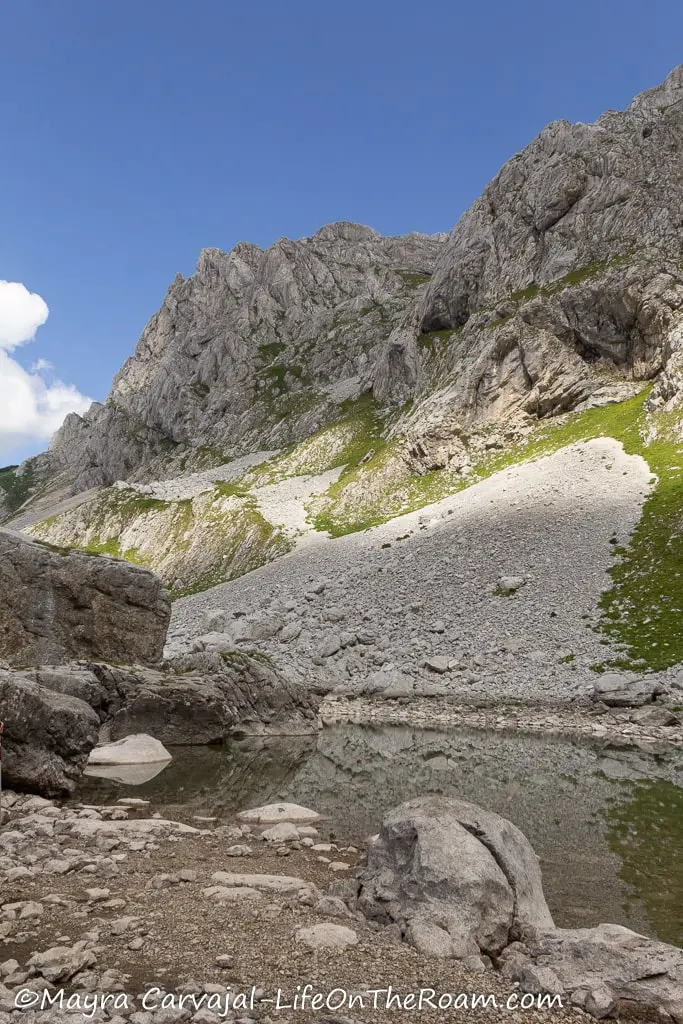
(606, 822)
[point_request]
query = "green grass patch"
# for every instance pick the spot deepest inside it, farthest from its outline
(646, 832)
(16, 487)
(271, 351)
(229, 489)
(413, 280)
(573, 278)
(344, 443)
(436, 342)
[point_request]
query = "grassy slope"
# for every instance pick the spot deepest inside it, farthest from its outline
(192, 544)
(15, 487)
(641, 612)
(343, 443)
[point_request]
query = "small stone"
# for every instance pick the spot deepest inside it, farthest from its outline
(283, 833)
(327, 936)
(509, 585)
(437, 664)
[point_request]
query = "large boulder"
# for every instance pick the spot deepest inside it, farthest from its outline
(48, 735)
(459, 881)
(606, 970)
(463, 882)
(620, 691)
(57, 606)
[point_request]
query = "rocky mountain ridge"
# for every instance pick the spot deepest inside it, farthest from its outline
(561, 284)
(255, 350)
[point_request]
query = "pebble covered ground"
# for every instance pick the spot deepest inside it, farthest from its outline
(421, 596)
(118, 900)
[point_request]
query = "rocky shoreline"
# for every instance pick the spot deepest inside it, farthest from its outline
(646, 727)
(117, 900)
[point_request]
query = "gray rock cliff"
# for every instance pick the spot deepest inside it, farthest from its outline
(56, 606)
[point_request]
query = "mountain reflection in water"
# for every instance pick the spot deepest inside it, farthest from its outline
(594, 813)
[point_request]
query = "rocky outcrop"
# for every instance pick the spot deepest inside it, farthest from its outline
(607, 970)
(251, 352)
(191, 544)
(47, 738)
(57, 606)
(564, 274)
(207, 697)
(457, 880)
(54, 715)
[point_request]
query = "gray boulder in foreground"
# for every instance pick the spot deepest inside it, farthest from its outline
(463, 882)
(459, 881)
(57, 606)
(48, 736)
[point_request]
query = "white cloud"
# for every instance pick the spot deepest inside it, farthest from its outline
(41, 365)
(21, 314)
(32, 404)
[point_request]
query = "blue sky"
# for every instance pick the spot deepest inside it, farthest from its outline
(136, 133)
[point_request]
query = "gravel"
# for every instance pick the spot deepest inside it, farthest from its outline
(373, 600)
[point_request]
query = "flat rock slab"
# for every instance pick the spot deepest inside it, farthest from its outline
(137, 749)
(600, 969)
(232, 894)
(619, 691)
(272, 883)
(272, 814)
(135, 826)
(327, 936)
